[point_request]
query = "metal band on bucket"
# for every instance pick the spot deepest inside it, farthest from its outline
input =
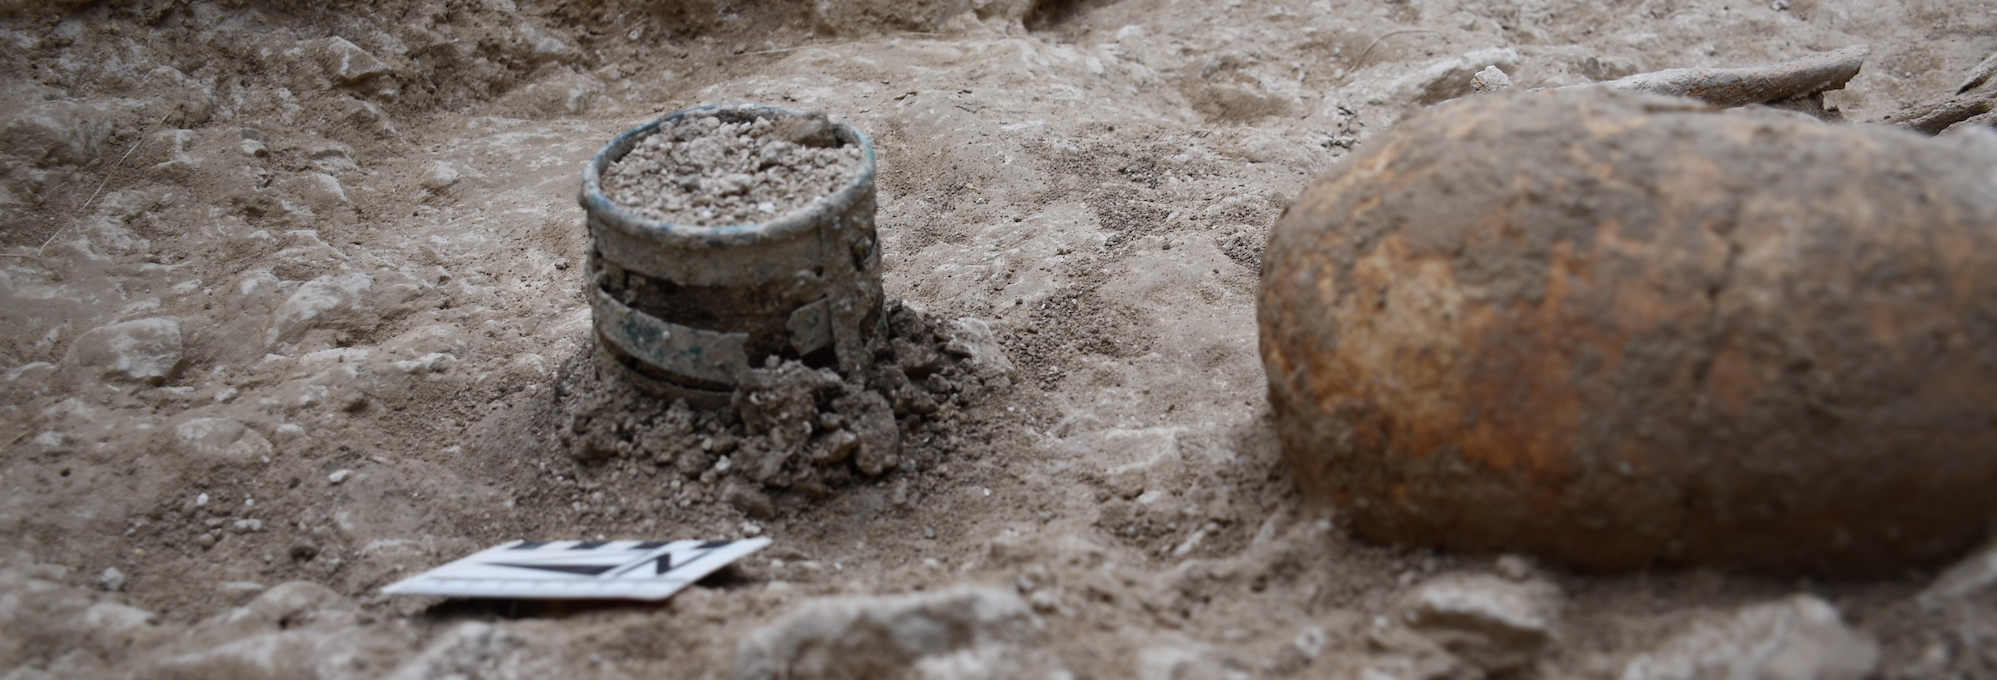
(805, 285)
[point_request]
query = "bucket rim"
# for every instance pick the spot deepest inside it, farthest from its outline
(786, 226)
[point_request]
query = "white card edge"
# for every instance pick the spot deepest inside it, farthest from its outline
(740, 549)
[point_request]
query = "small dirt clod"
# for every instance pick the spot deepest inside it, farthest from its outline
(792, 427)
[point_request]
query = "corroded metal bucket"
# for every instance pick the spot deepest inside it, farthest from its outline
(686, 311)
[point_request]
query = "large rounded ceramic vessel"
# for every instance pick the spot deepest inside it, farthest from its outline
(1618, 330)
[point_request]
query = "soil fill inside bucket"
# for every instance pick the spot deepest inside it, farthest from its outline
(739, 236)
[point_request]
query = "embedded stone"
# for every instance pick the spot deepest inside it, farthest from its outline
(1801, 636)
(142, 350)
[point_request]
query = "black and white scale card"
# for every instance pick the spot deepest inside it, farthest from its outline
(624, 570)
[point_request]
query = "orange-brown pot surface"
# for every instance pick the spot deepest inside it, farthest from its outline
(1617, 330)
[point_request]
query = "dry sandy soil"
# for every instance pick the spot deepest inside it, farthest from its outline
(341, 240)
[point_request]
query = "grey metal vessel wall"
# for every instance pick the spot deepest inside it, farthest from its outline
(825, 259)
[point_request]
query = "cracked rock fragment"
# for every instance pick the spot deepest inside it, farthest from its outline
(1794, 638)
(1494, 623)
(964, 633)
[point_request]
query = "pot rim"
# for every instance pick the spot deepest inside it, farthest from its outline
(787, 226)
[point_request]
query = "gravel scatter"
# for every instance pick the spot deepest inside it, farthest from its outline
(704, 172)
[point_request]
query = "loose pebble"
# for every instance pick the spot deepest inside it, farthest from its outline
(112, 579)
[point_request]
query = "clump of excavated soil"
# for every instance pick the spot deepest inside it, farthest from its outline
(701, 171)
(796, 429)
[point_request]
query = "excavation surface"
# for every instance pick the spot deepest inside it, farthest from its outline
(291, 307)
